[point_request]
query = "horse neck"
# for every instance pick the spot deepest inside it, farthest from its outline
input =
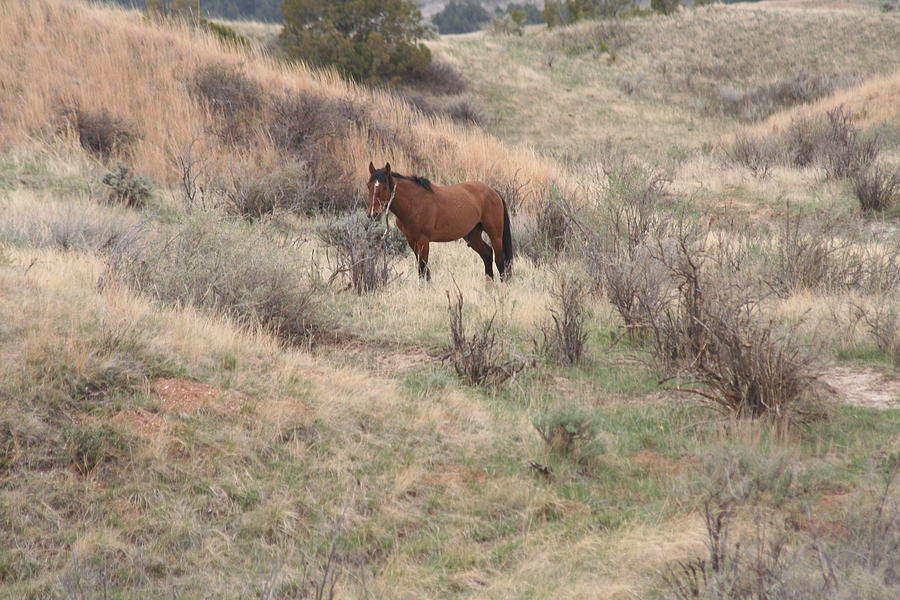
(408, 193)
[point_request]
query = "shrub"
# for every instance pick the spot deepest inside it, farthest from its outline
(616, 231)
(832, 141)
(665, 7)
(226, 267)
(802, 141)
(543, 233)
(363, 251)
(67, 226)
(478, 358)
(300, 121)
(766, 563)
(844, 152)
(368, 40)
(100, 132)
(531, 14)
(508, 24)
(234, 99)
(461, 16)
(811, 254)
(797, 88)
(439, 78)
(563, 338)
(418, 102)
(877, 187)
(711, 332)
(287, 189)
(829, 254)
(632, 204)
(569, 431)
(702, 324)
(564, 12)
(225, 33)
(464, 111)
(301, 126)
(634, 284)
(127, 188)
(882, 319)
(758, 154)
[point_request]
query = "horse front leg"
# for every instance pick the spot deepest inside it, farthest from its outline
(420, 248)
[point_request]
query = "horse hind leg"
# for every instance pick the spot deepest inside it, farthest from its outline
(473, 239)
(497, 245)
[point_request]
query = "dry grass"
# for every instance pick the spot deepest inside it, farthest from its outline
(367, 450)
(560, 92)
(220, 486)
(104, 59)
(873, 101)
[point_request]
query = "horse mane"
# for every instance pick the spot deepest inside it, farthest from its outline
(421, 181)
(381, 175)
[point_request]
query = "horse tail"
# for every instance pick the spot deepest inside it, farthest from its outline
(507, 237)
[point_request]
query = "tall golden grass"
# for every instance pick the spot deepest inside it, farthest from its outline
(59, 53)
(873, 101)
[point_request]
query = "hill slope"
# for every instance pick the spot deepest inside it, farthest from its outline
(653, 82)
(64, 56)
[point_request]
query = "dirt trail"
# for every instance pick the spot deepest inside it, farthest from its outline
(864, 387)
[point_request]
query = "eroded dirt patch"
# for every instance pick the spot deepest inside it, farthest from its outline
(401, 362)
(143, 422)
(863, 387)
(457, 475)
(657, 463)
(285, 407)
(188, 397)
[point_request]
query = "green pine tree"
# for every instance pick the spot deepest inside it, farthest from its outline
(368, 40)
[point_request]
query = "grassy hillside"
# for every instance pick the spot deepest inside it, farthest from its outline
(148, 78)
(653, 83)
(195, 400)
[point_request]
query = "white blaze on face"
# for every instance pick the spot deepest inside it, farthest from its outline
(372, 200)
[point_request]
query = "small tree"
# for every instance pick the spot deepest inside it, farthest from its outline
(666, 7)
(461, 16)
(368, 40)
(565, 12)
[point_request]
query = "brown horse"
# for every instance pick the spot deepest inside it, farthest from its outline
(431, 213)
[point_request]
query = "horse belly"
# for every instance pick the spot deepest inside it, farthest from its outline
(453, 231)
(456, 222)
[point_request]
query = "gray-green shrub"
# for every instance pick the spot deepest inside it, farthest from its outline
(362, 252)
(127, 188)
(225, 267)
(569, 431)
(289, 188)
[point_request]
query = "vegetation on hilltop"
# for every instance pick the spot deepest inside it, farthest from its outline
(471, 15)
(369, 40)
(257, 10)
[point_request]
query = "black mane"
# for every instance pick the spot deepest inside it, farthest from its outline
(381, 175)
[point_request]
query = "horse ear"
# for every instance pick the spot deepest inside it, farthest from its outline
(371, 168)
(387, 167)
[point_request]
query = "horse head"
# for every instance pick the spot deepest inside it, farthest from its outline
(381, 188)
